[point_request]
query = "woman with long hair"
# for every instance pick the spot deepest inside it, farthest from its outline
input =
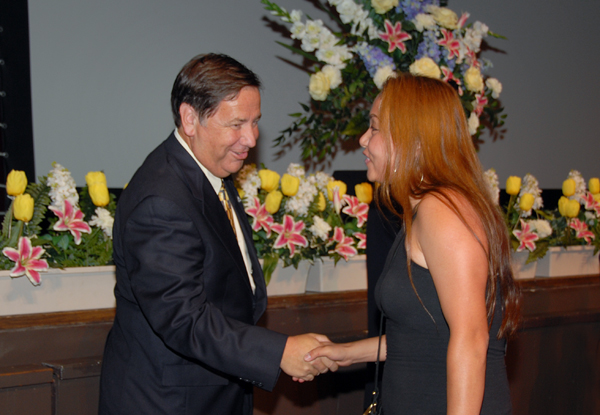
(447, 289)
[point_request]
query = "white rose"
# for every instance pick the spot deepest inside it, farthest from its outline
(333, 74)
(444, 16)
(425, 67)
(473, 123)
(495, 86)
(473, 80)
(382, 75)
(424, 21)
(383, 6)
(318, 86)
(541, 227)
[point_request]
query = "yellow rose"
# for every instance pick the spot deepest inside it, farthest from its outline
(273, 201)
(16, 182)
(269, 180)
(23, 207)
(95, 177)
(99, 194)
(594, 185)
(321, 203)
(568, 187)
(319, 86)
(568, 208)
(289, 185)
(425, 67)
(364, 192)
(513, 185)
(383, 6)
(341, 186)
(444, 17)
(473, 79)
(526, 202)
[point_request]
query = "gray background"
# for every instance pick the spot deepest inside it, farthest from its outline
(102, 72)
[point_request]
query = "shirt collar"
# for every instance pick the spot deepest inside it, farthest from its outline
(214, 180)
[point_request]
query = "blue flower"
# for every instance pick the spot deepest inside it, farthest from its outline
(374, 58)
(429, 47)
(413, 7)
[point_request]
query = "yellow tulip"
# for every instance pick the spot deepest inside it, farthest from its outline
(321, 203)
(290, 185)
(99, 194)
(269, 180)
(513, 185)
(364, 192)
(568, 208)
(594, 185)
(526, 202)
(568, 187)
(332, 184)
(16, 182)
(95, 177)
(596, 197)
(273, 201)
(23, 207)
(241, 192)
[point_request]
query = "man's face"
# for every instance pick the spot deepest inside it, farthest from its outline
(221, 142)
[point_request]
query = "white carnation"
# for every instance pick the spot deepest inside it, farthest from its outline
(382, 75)
(541, 227)
(320, 228)
(495, 86)
(473, 123)
(104, 220)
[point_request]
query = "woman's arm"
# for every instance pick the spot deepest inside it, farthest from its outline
(346, 354)
(459, 268)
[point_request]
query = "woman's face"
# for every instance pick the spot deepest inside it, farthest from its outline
(374, 146)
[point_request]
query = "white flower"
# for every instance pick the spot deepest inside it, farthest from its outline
(580, 186)
(295, 16)
(296, 170)
(310, 43)
(298, 31)
(299, 203)
(382, 75)
(493, 185)
(443, 16)
(383, 6)
(424, 21)
(347, 9)
(333, 74)
(104, 220)
(473, 123)
(320, 228)
(473, 79)
(327, 39)
(319, 87)
(322, 179)
(541, 227)
(495, 86)
(335, 56)
(62, 187)
(590, 218)
(425, 67)
(530, 185)
(314, 27)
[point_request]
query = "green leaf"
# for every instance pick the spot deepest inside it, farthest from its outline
(269, 265)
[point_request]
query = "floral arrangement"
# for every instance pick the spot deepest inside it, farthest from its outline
(576, 220)
(378, 38)
(68, 241)
(301, 216)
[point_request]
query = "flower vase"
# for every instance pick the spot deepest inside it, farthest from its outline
(288, 280)
(326, 276)
(522, 270)
(568, 261)
(69, 289)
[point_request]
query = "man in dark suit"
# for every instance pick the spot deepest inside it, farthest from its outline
(189, 286)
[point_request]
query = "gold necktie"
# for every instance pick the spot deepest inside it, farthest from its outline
(224, 198)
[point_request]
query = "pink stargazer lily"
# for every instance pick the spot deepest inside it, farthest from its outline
(343, 244)
(27, 259)
(581, 230)
(591, 203)
(450, 43)
(480, 102)
(70, 219)
(362, 240)
(262, 218)
(526, 237)
(356, 209)
(449, 76)
(463, 19)
(289, 234)
(395, 37)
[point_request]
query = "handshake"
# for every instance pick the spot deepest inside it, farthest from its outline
(300, 359)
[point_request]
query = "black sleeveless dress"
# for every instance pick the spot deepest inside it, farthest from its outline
(414, 377)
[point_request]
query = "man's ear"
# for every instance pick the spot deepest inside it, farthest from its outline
(189, 119)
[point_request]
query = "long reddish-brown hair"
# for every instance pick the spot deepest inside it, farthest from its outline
(431, 152)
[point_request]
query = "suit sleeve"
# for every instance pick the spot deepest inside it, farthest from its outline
(166, 256)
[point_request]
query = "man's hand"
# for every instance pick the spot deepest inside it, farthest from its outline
(293, 362)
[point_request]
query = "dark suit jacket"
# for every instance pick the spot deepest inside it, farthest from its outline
(184, 340)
